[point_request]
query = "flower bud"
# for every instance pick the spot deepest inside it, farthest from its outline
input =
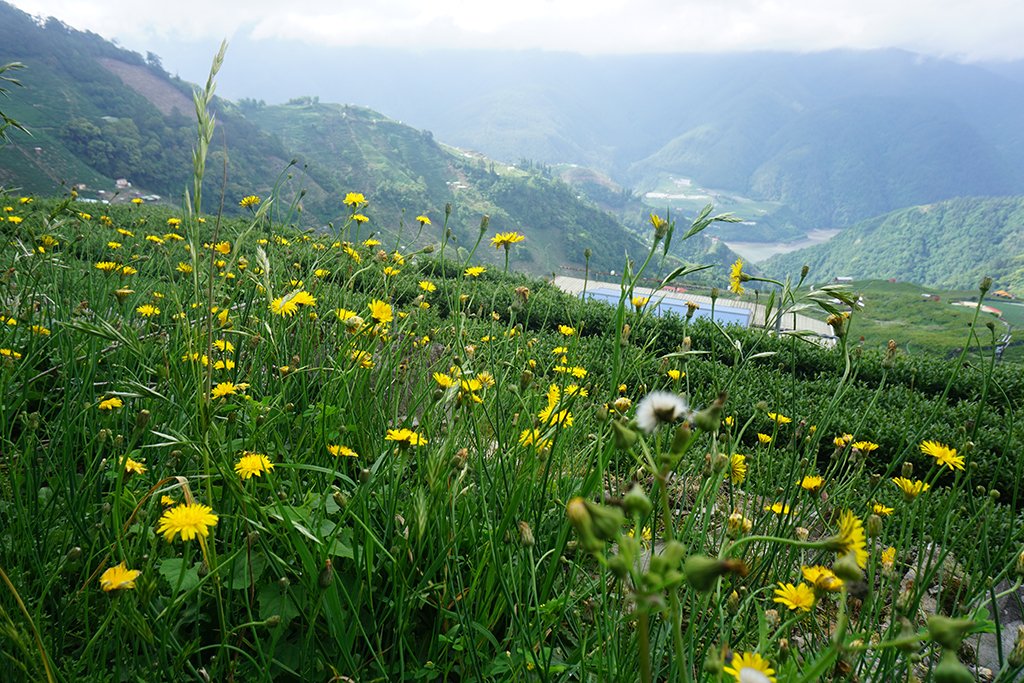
(951, 670)
(340, 499)
(526, 535)
(713, 662)
(985, 285)
(847, 569)
(702, 572)
(619, 566)
(142, 419)
(272, 621)
(732, 603)
(710, 418)
(525, 380)
(623, 435)
(948, 632)
(636, 502)
(873, 526)
(908, 470)
(327, 574)
(1017, 654)
(579, 517)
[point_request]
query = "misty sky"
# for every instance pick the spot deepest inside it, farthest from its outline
(970, 31)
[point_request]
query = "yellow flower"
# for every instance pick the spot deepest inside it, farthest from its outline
(118, 578)
(811, 482)
(822, 578)
(506, 239)
(359, 218)
(676, 375)
(222, 247)
(137, 200)
(342, 451)
(147, 310)
(842, 441)
(778, 508)
(40, 330)
(174, 222)
(107, 266)
(911, 489)
(154, 239)
(381, 311)
(737, 277)
(779, 418)
(354, 199)
(344, 314)
(882, 510)
(475, 271)
(639, 301)
(797, 598)
(764, 438)
(228, 389)
(737, 468)
(865, 446)
(423, 220)
(566, 330)
(888, 557)
(405, 436)
(114, 245)
(183, 267)
(287, 305)
(10, 353)
(167, 500)
(128, 270)
(224, 345)
(533, 437)
(729, 420)
(252, 465)
(134, 466)
(389, 271)
(750, 667)
(944, 455)
(444, 381)
(250, 200)
(187, 520)
(851, 538)
(111, 403)
(353, 254)
(427, 286)
(362, 358)
(371, 243)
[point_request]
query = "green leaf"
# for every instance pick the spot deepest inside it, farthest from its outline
(275, 601)
(179, 579)
(246, 570)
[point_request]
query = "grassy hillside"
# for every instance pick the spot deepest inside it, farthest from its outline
(950, 244)
(232, 449)
(401, 167)
(924, 322)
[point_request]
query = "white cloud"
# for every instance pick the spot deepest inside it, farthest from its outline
(984, 29)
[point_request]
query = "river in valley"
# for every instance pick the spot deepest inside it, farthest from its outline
(760, 251)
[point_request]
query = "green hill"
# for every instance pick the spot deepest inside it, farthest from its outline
(99, 113)
(950, 244)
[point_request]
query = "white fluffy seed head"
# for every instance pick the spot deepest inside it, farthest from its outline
(660, 407)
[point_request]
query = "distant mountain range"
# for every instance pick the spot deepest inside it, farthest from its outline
(837, 137)
(951, 244)
(98, 113)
